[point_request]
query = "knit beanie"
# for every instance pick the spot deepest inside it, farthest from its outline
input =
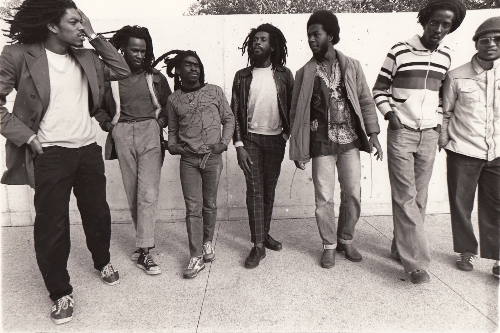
(460, 9)
(490, 25)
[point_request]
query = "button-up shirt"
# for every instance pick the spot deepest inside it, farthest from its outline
(471, 107)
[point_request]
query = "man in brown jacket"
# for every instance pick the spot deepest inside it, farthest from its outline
(51, 140)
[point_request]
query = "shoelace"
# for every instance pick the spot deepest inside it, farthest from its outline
(193, 262)
(207, 248)
(63, 303)
(148, 261)
(107, 270)
(467, 257)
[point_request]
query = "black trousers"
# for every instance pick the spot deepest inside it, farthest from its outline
(57, 171)
(267, 153)
(464, 175)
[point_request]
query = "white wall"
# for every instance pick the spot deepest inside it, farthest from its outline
(366, 37)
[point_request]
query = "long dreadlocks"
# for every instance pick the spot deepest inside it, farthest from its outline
(121, 37)
(29, 24)
(278, 43)
(175, 62)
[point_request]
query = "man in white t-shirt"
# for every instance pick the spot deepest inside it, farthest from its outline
(261, 99)
(51, 139)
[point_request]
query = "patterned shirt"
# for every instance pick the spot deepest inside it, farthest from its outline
(195, 118)
(333, 125)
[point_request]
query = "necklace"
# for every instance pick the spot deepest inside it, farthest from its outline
(191, 98)
(333, 81)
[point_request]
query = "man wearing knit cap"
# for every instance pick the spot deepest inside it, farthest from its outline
(407, 93)
(471, 137)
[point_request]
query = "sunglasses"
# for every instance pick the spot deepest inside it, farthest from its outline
(487, 40)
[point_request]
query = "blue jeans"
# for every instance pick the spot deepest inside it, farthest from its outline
(410, 158)
(199, 186)
(323, 174)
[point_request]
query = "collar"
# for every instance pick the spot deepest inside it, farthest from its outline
(248, 70)
(415, 44)
(478, 68)
(185, 90)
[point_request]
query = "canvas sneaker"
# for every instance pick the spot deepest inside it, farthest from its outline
(196, 264)
(146, 263)
(135, 255)
(208, 252)
(109, 275)
(62, 310)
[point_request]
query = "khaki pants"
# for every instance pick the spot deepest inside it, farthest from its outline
(139, 154)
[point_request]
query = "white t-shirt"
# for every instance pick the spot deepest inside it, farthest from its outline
(67, 122)
(263, 112)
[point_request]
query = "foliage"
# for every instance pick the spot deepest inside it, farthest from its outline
(228, 7)
(7, 10)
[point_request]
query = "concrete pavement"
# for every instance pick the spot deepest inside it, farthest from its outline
(287, 292)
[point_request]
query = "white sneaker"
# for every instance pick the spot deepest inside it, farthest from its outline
(208, 252)
(196, 264)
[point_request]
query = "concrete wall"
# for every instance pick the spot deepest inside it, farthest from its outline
(366, 37)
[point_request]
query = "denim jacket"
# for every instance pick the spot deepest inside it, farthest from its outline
(283, 78)
(471, 105)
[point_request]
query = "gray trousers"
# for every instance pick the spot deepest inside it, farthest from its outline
(139, 154)
(410, 158)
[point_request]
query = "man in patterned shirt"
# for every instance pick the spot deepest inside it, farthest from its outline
(331, 117)
(196, 111)
(408, 93)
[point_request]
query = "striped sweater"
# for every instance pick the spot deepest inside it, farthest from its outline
(410, 81)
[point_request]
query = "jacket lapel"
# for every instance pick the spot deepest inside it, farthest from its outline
(88, 66)
(38, 66)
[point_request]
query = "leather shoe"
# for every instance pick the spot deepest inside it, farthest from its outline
(255, 256)
(419, 276)
(350, 252)
(328, 258)
(272, 244)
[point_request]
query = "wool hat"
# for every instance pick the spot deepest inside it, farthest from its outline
(490, 25)
(460, 9)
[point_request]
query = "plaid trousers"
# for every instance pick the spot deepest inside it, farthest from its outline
(267, 153)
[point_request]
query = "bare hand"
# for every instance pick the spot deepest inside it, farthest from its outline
(394, 123)
(36, 147)
(379, 154)
(300, 165)
(87, 27)
(244, 160)
(218, 148)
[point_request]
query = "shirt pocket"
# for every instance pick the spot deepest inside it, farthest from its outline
(468, 93)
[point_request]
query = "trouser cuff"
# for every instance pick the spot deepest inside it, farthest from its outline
(345, 241)
(329, 246)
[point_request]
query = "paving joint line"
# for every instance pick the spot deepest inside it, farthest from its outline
(448, 286)
(206, 284)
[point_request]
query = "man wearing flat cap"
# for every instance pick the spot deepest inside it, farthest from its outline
(408, 93)
(471, 137)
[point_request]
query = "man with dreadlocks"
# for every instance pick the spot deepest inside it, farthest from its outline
(261, 99)
(408, 93)
(134, 113)
(196, 111)
(332, 116)
(51, 139)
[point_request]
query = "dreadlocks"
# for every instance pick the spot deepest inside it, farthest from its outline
(121, 37)
(278, 43)
(174, 62)
(29, 24)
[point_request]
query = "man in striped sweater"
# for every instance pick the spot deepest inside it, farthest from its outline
(408, 93)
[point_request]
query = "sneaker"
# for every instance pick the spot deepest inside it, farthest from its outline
(196, 264)
(146, 263)
(255, 256)
(419, 276)
(134, 256)
(62, 310)
(465, 261)
(208, 252)
(109, 275)
(496, 271)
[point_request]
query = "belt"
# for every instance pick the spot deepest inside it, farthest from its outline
(134, 120)
(419, 129)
